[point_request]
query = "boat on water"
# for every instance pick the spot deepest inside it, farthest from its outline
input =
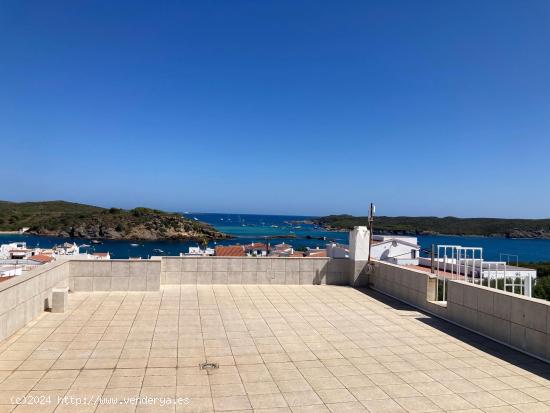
(95, 241)
(158, 251)
(134, 245)
(195, 218)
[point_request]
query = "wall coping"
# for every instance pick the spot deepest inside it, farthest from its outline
(405, 267)
(111, 260)
(240, 258)
(507, 293)
(495, 290)
(35, 272)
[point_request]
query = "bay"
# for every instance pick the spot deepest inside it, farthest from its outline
(291, 229)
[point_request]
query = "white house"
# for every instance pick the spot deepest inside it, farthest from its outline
(335, 250)
(395, 249)
(14, 250)
(256, 249)
(10, 270)
(67, 249)
(197, 251)
(281, 250)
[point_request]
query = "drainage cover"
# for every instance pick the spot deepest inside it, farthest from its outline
(209, 366)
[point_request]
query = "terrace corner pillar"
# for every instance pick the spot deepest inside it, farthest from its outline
(359, 256)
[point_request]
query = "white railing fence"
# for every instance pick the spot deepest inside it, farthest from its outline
(455, 262)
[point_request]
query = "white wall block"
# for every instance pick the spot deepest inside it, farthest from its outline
(359, 244)
(60, 300)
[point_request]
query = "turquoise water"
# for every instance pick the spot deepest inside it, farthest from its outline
(248, 228)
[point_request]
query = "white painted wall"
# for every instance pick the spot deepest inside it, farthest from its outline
(359, 244)
(393, 251)
(335, 250)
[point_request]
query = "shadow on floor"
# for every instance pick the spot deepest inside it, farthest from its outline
(493, 348)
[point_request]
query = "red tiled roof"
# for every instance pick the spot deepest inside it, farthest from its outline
(317, 253)
(6, 278)
(256, 246)
(230, 251)
(41, 258)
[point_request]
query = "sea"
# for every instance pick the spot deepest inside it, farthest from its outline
(295, 230)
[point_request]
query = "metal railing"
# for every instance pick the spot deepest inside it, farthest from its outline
(455, 262)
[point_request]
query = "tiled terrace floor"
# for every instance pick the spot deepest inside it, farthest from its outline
(280, 349)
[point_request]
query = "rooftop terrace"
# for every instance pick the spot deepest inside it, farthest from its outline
(280, 348)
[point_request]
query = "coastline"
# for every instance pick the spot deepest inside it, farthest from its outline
(527, 249)
(435, 234)
(174, 239)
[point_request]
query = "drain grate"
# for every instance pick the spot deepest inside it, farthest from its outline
(209, 366)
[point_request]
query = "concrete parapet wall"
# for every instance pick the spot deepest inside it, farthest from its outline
(512, 319)
(24, 297)
(406, 284)
(254, 270)
(518, 321)
(115, 275)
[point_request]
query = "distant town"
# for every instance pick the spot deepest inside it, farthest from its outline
(16, 258)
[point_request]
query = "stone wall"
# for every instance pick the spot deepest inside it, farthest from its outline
(512, 319)
(25, 297)
(115, 275)
(252, 270)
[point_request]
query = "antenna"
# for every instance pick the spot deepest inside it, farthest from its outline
(372, 210)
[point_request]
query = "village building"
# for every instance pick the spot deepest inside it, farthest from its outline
(230, 251)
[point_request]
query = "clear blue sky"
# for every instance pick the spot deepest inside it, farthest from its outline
(300, 107)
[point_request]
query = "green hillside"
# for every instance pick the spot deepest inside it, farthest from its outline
(513, 228)
(67, 219)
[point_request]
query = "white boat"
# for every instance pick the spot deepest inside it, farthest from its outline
(134, 245)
